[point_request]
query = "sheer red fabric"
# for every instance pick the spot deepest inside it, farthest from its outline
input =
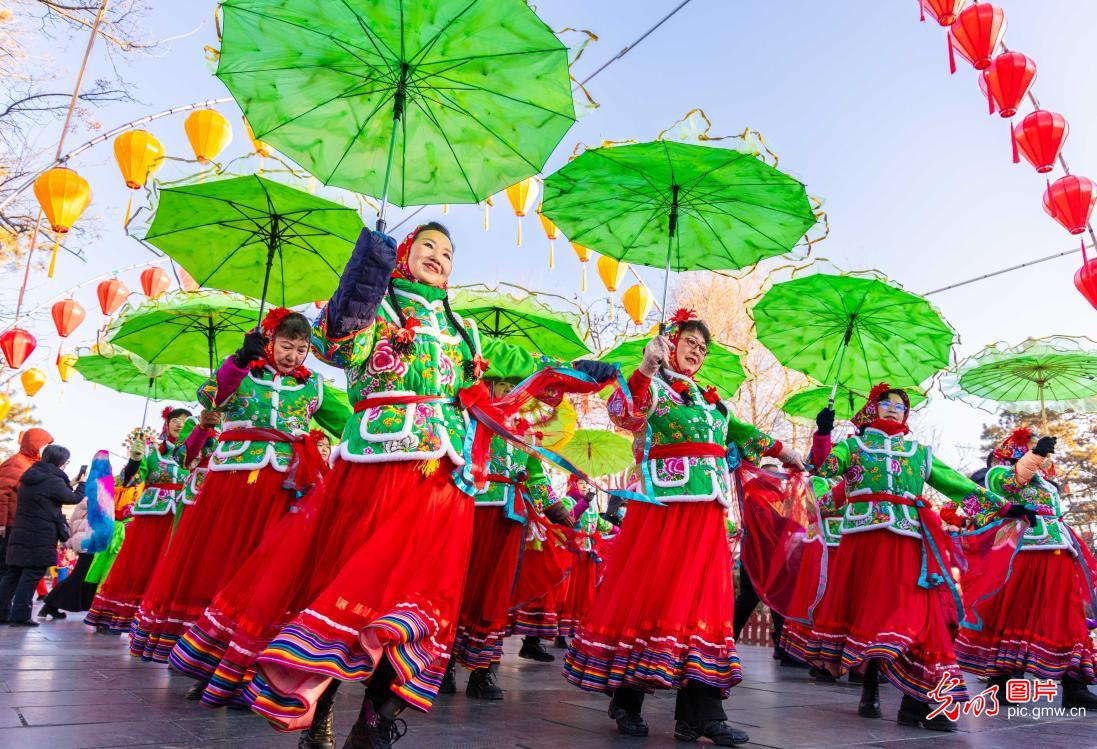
(116, 603)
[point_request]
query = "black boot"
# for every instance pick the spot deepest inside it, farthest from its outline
(720, 733)
(1075, 694)
(482, 685)
(999, 680)
(870, 692)
(449, 680)
(855, 678)
(625, 709)
(822, 676)
(321, 734)
(534, 651)
(51, 612)
(377, 728)
(195, 693)
(914, 712)
(561, 643)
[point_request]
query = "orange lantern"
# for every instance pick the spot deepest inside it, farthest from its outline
(612, 272)
(5, 406)
(33, 380)
(154, 282)
(584, 257)
(66, 365)
(262, 148)
(112, 293)
(16, 345)
(186, 280)
(552, 232)
(63, 195)
(208, 132)
(637, 301)
(67, 316)
(522, 196)
(945, 11)
(139, 154)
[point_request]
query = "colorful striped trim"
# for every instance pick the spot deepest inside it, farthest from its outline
(117, 616)
(653, 663)
(1016, 656)
(150, 647)
(206, 653)
(476, 649)
(567, 627)
(530, 623)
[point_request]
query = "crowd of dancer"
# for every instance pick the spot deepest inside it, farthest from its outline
(273, 563)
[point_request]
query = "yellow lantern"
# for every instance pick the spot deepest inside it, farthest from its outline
(637, 302)
(66, 365)
(5, 406)
(262, 148)
(33, 380)
(552, 232)
(139, 154)
(63, 195)
(612, 273)
(584, 257)
(208, 132)
(522, 196)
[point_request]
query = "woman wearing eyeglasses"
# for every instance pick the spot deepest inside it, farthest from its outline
(883, 613)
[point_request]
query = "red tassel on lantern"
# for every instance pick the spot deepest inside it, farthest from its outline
(976, 34)
(112, 293)
(1069, 200)
(1008, 79)
(1085, 279)
(67, 316)
(154, 282)
(17, 345)
(943, 10)
(1039, 138)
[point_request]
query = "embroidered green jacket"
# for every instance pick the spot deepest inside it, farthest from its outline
(161, 466)
(1050, 532)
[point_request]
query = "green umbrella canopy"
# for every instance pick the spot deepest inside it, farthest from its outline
(186, 328)
(806, 404)
(598, 453)
(126, 373)
(732, 210)
(856, 330)
(482, 88)
(523, 322)
(1057, 372)
(239, 234)
(723, 368)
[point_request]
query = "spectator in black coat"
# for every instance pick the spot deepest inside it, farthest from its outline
(39, 526)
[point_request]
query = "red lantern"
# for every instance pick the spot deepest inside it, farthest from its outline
(154, 282)
(976, 34)
(1069, 200)
(17, 345)
(943, 10)
(1040, 138)
(67, 316)
(112, 293)
(1086, 278)
(1008, 79)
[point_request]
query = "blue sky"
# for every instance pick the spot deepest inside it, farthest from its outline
(854, 96)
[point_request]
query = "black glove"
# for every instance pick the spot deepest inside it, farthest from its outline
(1045, 446)
(599, 371)
(559, 515)
(255, 347)
(1020, 511)
(824, 422)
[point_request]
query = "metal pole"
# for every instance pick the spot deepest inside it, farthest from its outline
(841, 358)
(272, 247)
(398, 101)
(672, 228)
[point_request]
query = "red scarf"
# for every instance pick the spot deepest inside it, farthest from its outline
(890, 428)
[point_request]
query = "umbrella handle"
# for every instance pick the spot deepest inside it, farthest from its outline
(672, 228)
(841, 358)
(398, 101)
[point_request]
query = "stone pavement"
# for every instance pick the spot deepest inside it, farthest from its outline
(64, 687)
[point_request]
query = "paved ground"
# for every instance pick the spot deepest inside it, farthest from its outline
(63, 687)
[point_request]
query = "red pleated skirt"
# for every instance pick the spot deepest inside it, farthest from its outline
(663, 614)
(874, 609)
(215, 535)
(575, 595)
(496, 548)
(1035, 624)
(543, 568)
(120, 594)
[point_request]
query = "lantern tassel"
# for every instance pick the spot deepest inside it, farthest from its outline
(1013, 141)
(519, 231)
(951, 57)
(487, 221)
(53, 255)
(552, 254)
(445, 208)
(921, 12)
(990, 99)
(611, 306)
(583, 287)
(129, 206)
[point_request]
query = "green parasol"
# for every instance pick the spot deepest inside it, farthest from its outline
(128, 374)
(857, 330)
(466, 97)
(806, 404)
(677, 205)
(186, 328)
(524, 322)
(238, 234)
(1058, 372)
(723, 368)
(598, 453)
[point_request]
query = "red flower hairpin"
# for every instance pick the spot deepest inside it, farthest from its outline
(711, 396)
(273, 319)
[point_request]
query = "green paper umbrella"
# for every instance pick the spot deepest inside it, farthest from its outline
(186, 328)
(677, 205)
(524, 322)
(240, 234)
(1058, 372)
(806, 404)
(723, 368)
(128, 374)
(598, 453)
(860, 331)
(466, 97)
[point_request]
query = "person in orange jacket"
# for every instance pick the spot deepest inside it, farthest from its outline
(31, 443)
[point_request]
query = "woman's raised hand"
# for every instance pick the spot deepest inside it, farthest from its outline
(656, 354)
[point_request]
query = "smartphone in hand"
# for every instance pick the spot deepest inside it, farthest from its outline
(83, 473)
